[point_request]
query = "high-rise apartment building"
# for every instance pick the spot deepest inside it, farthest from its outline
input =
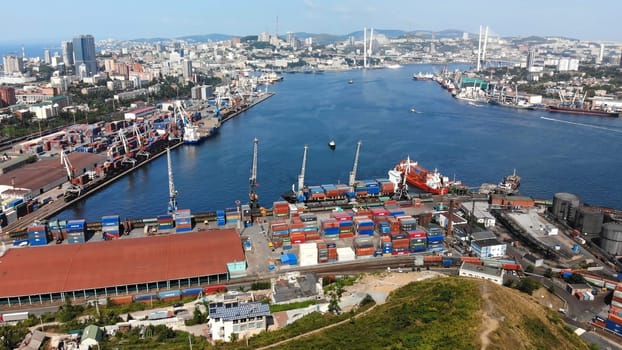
(84, 53)
(67, 49)
(186, 68)
(13, 64)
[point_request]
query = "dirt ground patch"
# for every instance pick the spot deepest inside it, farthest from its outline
(380, 285)
(548, 299)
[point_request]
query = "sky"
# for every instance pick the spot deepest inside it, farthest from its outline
(42, 20)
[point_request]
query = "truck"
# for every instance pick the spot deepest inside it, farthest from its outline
(14, 316)
(580, 240)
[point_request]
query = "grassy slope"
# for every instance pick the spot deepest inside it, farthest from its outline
(448, 313)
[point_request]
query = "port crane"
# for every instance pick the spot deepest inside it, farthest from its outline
(172, 193)
(64, 161)
(252, 194)
(127, 157)
(301, 178)
(139, 139)
(352, 177)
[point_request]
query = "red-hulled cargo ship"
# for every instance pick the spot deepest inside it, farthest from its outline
(428, 181)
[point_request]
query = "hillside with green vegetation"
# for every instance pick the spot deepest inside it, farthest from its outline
(450, 313)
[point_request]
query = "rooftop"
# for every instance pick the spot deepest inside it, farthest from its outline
(487, 242)
(25, 271)
(245, 310)
(493, 271)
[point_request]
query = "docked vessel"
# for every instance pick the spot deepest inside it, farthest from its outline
(340, 194)
(581, 111)
(510, 184)
(423, 76)
(428, 181)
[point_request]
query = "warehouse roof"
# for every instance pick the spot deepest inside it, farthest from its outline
(74, 267)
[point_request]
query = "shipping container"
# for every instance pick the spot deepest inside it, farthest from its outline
(121, 299)
(191, 292)
(145, 297)
(215, 289)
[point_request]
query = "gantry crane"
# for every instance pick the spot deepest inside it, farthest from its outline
(172, 193)
(252, 194)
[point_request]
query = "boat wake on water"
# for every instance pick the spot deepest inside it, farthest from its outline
(581, 124)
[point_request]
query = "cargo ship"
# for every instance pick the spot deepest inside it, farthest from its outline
(340, 194)
(427, 181)
(581, 111)
(510, 184)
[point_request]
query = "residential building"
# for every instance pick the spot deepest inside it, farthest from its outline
(243, 319)
(67, 49)
(492, 274)
(7, 96)
(84, 53)
(13, 65)
(186, 68)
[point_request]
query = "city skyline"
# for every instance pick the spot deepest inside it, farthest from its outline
(570, 18)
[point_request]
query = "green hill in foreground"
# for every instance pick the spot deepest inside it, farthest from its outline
(450, 313)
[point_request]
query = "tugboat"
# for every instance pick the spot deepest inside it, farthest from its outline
(332, 144)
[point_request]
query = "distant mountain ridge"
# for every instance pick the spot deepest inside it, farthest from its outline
(325, 38)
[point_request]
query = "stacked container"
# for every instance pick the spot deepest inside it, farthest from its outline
(322, 252)
(287, 243)
(435, 240)
(278, 231)
(330, 191)
(75, 231)
(183, 221)
(386, 245)
(614, 319)
(220, 218)
(58, 229)
(38, 235)
(407, 223)
(364, 226)
(386, 186)
(280, 209)
(332, 252)
(297, 232)
(165, 222)
(316, 193)
(232, 214)
(110, 226)
(364, 247)
(346, 229)
(293, 211)
(247, 219)
(418, 241)
(330, 228)
(345, 254)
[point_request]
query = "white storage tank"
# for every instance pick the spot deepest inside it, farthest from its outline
(611, 238)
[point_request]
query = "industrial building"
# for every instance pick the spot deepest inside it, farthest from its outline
(118, 267)
(492, 274)
(489, 248)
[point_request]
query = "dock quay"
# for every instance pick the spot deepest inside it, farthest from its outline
(17, 228)
(58, 205)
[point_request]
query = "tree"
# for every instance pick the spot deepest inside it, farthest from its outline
(529, 268)
(548, 273)
(335, 291)
(234, 337)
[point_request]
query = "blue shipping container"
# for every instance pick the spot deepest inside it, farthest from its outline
(76, 224)
(169, 294)
(614, 327)
(145, 297)
(191, 292)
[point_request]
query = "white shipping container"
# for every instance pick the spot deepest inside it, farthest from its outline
(14, 316)
(345, 254)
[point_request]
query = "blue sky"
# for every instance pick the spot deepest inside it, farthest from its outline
(38, 20)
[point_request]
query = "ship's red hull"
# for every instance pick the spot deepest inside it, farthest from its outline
(417, 176)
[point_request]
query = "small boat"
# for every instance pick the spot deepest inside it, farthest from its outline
(350, 82)
(412, 110)
(332, 144)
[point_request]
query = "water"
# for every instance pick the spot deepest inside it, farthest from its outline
(552, 152)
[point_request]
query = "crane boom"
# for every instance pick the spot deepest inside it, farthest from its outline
(252, 194)
(352, 178)
(172, 193)
(301, 177)
(64, 160)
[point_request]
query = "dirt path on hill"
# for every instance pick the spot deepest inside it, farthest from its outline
(489, 322)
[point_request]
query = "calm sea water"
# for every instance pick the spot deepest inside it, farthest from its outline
(552, 152)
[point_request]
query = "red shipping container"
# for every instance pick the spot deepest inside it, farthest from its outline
(121, 299)
(364, 251)
(401, 243)
(432, 258)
